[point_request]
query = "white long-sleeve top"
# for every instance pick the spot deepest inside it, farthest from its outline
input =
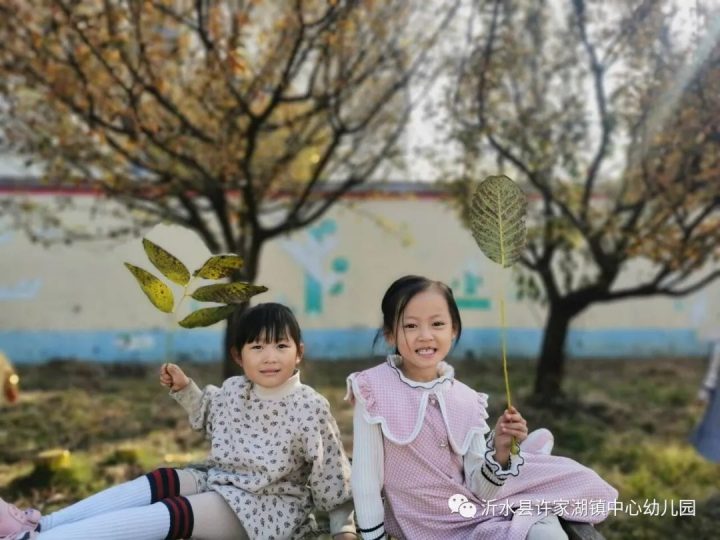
(483, 475)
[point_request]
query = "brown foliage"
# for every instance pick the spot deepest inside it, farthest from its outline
(210, 114)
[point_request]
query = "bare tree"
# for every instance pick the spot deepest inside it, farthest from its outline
(240, 120)
(609, 119)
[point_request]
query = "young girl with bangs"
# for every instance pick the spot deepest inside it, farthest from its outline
(275, 456)
(426, 464)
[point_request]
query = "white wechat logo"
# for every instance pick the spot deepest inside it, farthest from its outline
(459, 503)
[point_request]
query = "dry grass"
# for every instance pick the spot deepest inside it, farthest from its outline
(629, 420)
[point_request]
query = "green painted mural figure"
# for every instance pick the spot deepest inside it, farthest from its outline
(321, 277)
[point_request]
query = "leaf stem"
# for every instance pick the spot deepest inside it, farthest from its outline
(169, 338)
(514, 448)
(183, 297)
(503, 340)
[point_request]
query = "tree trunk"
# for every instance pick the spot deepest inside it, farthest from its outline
(248, 273)
(551, 364)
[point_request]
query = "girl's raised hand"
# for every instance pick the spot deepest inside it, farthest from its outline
(173, 377)
(510, 424)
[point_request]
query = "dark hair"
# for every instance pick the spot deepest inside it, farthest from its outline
(402, 291)
(270, 322)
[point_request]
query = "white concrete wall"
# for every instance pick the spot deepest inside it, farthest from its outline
(333, 274)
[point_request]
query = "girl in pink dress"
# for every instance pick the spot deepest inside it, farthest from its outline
(426, 464)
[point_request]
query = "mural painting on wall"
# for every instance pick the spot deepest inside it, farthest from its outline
(466, 288)
(134, 342)
(323, 273)
(25, 289)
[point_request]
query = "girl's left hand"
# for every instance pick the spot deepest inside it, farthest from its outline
(510, 424)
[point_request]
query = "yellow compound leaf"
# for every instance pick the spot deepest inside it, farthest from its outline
(228, 293)
(207, 316)
(157, 292)
(219, 266)
(168, 264)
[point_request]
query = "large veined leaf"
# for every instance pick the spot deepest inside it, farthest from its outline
(497, 219)
(168, 264)
(498, 210)
(219, 266)
(159, 294)
(228, 293)
(207, 316)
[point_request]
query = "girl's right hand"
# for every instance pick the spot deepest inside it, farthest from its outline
(173, 377)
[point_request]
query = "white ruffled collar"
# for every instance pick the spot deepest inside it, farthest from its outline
(440, 392)
(445, 373)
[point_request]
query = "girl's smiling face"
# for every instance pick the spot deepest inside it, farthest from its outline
(269, 364)
(423, 335)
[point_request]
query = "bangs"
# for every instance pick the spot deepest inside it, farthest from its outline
(267, 323)
(272, 332)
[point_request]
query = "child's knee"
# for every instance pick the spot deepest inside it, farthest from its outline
(169, 482)
(539, 441)
(189, 483)
(164, 483)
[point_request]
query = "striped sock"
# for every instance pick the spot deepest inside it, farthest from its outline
(164, 483)
(141, 523)
(182, 519)
(127, 495)
(142, 491)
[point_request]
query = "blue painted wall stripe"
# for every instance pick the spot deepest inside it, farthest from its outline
(205, 345)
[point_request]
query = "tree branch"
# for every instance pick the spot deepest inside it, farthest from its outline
(598, 73)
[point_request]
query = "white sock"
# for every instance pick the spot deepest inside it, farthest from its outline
(539, 441)
(151, 522)
(127, 495)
